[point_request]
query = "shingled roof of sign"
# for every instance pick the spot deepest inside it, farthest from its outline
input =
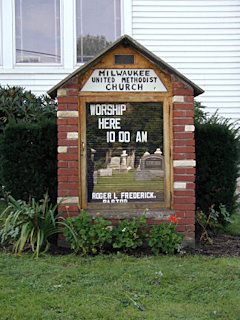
(127, 41)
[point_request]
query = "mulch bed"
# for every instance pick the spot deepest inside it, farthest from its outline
(224, 245)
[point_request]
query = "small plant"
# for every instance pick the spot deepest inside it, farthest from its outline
(211, 220)
(28, 225)
(86, 236)
(163, 237)
(129, 234)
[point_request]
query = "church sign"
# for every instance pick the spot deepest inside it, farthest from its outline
(126, 138)
(124, 80)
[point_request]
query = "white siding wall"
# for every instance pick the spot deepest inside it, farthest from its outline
(201, 39)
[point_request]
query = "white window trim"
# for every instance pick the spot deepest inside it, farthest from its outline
(36, 65)
(126, 14)
(126, 24)
(7, 32)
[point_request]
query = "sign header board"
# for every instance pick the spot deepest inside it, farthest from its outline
(124, 80)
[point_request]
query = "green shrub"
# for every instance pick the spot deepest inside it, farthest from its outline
(129, 234)
(210, 220)
(29, 159)
(28, 226)
(217, 158)
(163, 238)
(87, 237)
(17, 104)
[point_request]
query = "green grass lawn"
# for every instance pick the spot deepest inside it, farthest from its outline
(119, 287)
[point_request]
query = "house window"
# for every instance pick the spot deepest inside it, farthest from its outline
(98, 24)
(37, 31)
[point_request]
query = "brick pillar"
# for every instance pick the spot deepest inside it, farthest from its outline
(184, 158)
(68, 194)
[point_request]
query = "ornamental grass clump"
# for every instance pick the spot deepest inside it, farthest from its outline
(28, 226)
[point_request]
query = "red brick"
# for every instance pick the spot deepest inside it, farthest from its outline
(67, 186)
(73, 84)
(177, 128)
(72, 121)
(182, 92)
(65, 142)
(73, 107)
(184, 149)
(184, 178)
(62, 135)
(190, 214)
(62, 193)
(190, 156)
(186, 221)
(190, 142)
(180, 214)
(64, 156)
(67, 128)
(183, 135)
(62, 178)
(189, 99)
(177, 85)
(62, 106)
(72, 179)
(179, 142)
(185, 207)
(73, 164)
(61, 121)
(178, 114)
(68, 172)
(179, 170)
(180, 228)
(68, 100)
(73, 92)
(190, 228)
(191, 171)
(62, 164)
(185, 121)
(183, 106)
(178, 156)
(189, 114)
(191, 200)
(178, 200)
(181, 193)
(73, 150)
(73, 193)
(191, 186)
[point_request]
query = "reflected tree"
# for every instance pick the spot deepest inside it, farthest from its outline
(89, 46)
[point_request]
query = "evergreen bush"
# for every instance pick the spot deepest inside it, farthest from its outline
(28, 144)
(29, 159)
(217, 158)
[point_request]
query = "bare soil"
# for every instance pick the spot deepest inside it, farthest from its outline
(223, 245)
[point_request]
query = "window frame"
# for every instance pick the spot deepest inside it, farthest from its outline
(38, 64)
(85, 98)
(123, 7)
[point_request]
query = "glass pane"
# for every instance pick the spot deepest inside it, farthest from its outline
(125, 162)
(37, 31)
(98, 25)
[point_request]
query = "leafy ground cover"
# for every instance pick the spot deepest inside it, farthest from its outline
(118, 286)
